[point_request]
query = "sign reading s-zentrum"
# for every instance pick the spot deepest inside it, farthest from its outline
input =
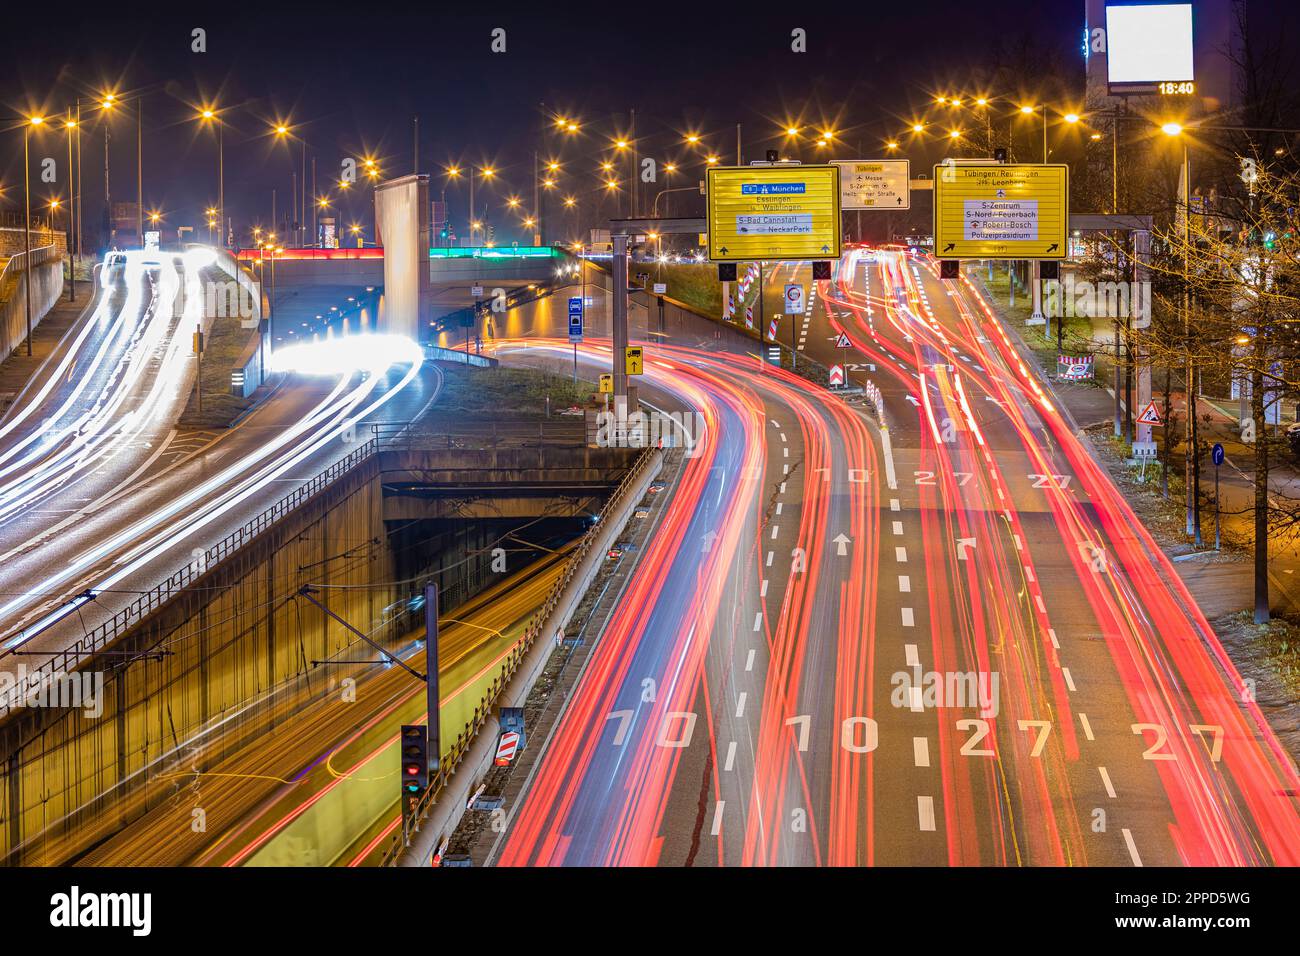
(773, 213)
(1001, 211)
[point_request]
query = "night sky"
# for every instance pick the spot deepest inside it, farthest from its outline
(349, 79)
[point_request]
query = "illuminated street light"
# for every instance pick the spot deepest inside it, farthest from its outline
(1172, 129)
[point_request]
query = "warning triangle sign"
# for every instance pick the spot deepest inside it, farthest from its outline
(1150, 415)
(843, 342)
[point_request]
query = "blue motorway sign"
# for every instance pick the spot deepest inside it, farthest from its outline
(575, 319)
(773, 189)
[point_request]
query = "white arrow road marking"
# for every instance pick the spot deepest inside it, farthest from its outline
(962, 545)
(842, 544)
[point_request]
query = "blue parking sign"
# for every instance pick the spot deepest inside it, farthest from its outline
(575, 319)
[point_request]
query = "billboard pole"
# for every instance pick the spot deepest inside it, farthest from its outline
(431, 683)
(619, 277)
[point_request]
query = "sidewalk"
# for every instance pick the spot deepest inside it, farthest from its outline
(17, 370)
(1224, 581)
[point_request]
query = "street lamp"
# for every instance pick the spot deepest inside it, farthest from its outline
(1030, 111)
(74, 192)
(110, 102)
(1191, 461)
(32, 121)
(209, 115)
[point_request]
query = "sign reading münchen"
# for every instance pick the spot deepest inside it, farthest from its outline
(773, 213)
(1001, 211)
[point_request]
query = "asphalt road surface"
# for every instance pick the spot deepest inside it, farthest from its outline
(938, 636)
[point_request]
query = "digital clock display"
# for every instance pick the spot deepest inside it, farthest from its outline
(1182, 88)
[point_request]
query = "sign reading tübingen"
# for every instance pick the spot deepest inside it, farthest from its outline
(1001, 211)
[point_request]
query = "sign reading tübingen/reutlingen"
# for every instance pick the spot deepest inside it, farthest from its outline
(774, 212)
(1001, 211)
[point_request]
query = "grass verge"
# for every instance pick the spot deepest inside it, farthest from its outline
(503, 392)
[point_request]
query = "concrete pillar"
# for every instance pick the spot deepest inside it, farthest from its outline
(1036, 287)
(1141, 278)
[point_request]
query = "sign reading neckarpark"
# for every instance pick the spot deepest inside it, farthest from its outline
(1001, 211)
(773, 212)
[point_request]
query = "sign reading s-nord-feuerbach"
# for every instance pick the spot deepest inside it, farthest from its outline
(1001, 211)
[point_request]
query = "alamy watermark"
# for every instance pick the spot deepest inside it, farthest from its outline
(81, 690)
(652, 430)
(918, 690)
(227, 299)
(1070, 297)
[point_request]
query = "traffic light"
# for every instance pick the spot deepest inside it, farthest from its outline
(415, 760)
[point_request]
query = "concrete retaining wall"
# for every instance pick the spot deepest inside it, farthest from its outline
(47, 285)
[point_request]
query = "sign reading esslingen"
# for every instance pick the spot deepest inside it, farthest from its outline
(1001, 212)
(773, 213)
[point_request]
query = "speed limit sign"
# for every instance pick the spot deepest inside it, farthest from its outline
(793, 299)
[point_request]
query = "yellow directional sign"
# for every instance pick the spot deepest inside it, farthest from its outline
(607, 383)
(1001, 211)
(632, 360)
(773, 212)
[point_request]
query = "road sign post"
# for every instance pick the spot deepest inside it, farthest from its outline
(758, 213)
(575, 330)
(1217, 456)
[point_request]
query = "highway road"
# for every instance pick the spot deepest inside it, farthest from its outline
(940, 637)
(101, 496)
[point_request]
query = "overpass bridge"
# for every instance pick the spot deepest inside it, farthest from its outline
(302, 284)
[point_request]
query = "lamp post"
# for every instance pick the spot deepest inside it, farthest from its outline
(109, 102)
(487, 172)
(27, 222)
(69, 124)
(210, 115)
(1191, 460)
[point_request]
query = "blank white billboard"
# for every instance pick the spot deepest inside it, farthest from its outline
(1149, 43)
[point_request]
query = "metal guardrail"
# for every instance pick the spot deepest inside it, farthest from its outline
(40, 256)
(531, 632)
(469, 435)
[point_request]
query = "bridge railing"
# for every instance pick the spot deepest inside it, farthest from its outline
(462, 435)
